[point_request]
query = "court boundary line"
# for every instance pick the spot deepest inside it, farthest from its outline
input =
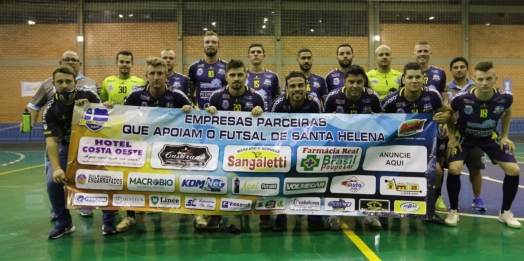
(478, 215)
(22, 169)
(357, 241)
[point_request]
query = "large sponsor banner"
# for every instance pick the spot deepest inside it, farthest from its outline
(157, 159)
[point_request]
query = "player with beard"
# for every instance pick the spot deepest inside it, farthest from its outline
(260, 79)
(335, 78)
(316, 85)
(175, 80)
(116, 88)
(236, 96)
(383, 79)
(209, 74)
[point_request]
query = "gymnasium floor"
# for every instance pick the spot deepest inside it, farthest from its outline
(24, 226)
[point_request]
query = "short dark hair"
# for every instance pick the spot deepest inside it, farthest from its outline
(304, 50)
(294, 74)
(65, 69)
(356, 70)
(234, 64)
(126, 53)
(412, 66)
(345, 45)
(484, 66)
(458, 59)
(256, 45)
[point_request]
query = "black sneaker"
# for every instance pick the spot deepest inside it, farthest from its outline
(316, 222)
(60, 231)
(214, 223)
(437, 220)
(265, 221)
(280, 223)
(108, 228)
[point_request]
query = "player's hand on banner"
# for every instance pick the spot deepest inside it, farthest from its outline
(453, 144)
(109, 104)
(186, 108)
(440, 117)
(509, 143)
(81, 102)
(59, 176)
(212, 110)
(257, 111)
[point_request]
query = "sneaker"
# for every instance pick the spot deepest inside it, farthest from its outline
(280, 223)
(108, 228)
(478, 204)
(437, 220)
(126, 223)
(214, 222)
(452, 219)
(52, 215)
(200, 222)
(334, 222)
(265, 221)
(86, 212)
(316, 222)
(373, 222)
(60, 231)
(440, 205)
(507, 217)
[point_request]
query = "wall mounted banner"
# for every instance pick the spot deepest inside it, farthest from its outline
(158, 159)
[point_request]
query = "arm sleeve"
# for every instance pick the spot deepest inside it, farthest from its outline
(50, 121)
(180, 99)
(276, 87)
(328, 105)
(41, 97)
(104, 95)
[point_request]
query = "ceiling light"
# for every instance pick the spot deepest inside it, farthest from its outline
(30, 22)
(214, 23)
(312, 30)
(121, 16)
(431, 17)
(205, 28)
(264, 27)
(130, 15)
(488, 24)
(407, 18)
(377, 38)
(80, 39)
(320, 21)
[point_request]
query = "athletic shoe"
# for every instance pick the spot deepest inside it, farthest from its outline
(52, 215)
(334, 222)
(214, 222)
(507, 217)
(452, 219)
(437, 220)
(86, 212)
(280, 223)
(440, 205)
(265, 221)
(126, 223)
(200, 222)
(478, 204)
(60, 231)
(108, 228)
(316, 222)
(373, 222)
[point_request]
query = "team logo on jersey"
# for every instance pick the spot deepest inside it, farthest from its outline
(336, 81)
(225, 104)
(340, 109)
(428, 107)
(316, 85)
(110, 88)
(499, 109)
(468, 109)
(366, 109)
(225, 96)
(399, 104)
(200, 71)
(374, 81)
(95, 119)
(249, 105)
(267, 82)
(436, 77)
(221, 71)
(338, 101)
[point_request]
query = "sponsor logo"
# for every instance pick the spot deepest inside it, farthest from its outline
(88, 199)
(305, 185)
(257, 158)
(200, 203)
(410, 207)
(327, 159)
(304, 204)
(271, 204)
(184, 156)
(81, 179)
(354, 184)
(151, 182)
(228, 204)
(411, 127)
(164, 201)
(403, 186)
(129, 200)
(95, 119)
(255, 186)
(99, 179)
(310, 162)
(203, 184)
(339, 204)
(375, 205)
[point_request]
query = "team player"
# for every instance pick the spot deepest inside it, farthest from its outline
(155, 94)
(175, 80)
(479, 111)
(475, 159)
(335, 78)
(316, 85)
(57, 119)
(383, 79)
(45, 93)
(236, 96)
(207, 75)
(115, 88)
(415, 98)
(264, 81)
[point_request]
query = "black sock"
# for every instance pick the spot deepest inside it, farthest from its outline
(131, 213)
(453, 184)
(509, 191)
(438, 193)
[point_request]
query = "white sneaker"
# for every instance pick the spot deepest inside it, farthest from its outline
(373, 222)
(126, 223)
(200, 222)
(334, 222)
(453, 218)
(507, 217)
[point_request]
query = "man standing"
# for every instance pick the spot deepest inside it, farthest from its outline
(155, 94)
(115, 88)
(383, 79)
(174, 80)
(207, 75)
(57, 119)
(479, 111)
(45, 93)
(234, 97)
(316, 85)
(264, 81)
(335, 78)
(475, 160)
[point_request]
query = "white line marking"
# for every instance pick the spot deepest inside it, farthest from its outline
(21, 157)
(479, 216)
